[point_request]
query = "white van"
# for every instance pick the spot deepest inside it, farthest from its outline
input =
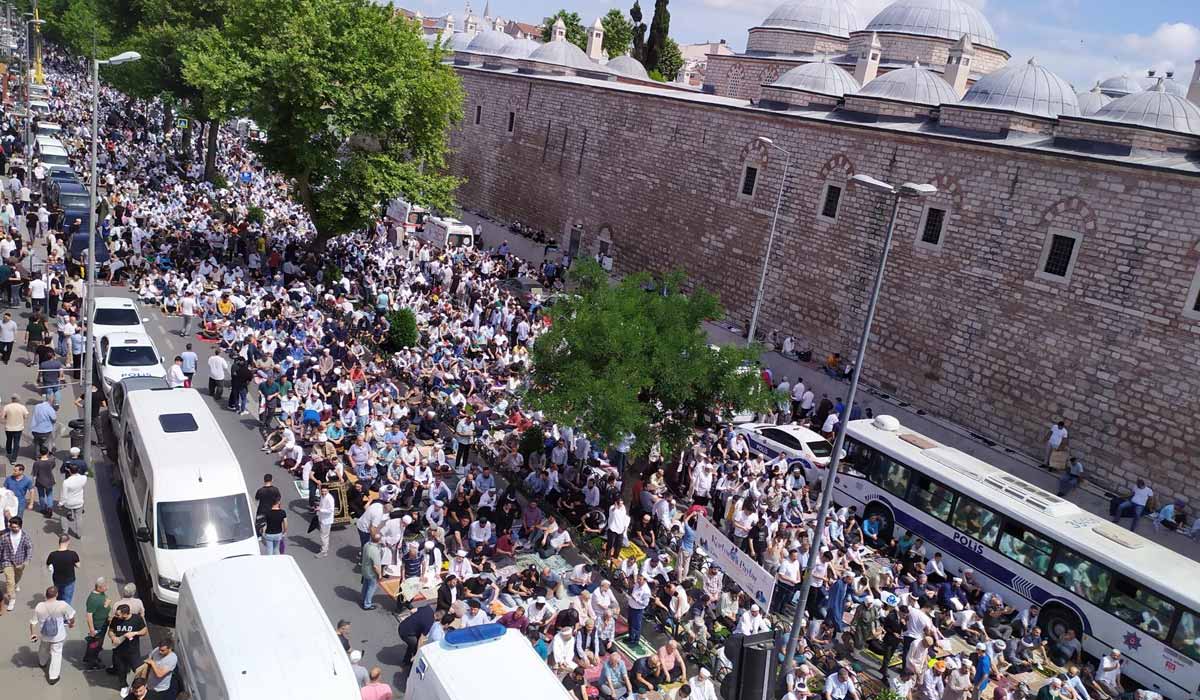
(183, 488)
(448, 233)
(233, 645)
(502, 666)
(406, 215)
(49, 129)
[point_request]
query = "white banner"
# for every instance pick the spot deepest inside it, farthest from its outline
(736, 564)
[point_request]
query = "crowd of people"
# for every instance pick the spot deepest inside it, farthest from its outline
(569, 541)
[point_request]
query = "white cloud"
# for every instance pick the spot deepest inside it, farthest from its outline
(1172, 46)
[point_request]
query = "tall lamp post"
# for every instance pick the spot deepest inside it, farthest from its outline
(28, 98)
(762, 278)
(906, 191)
(89, 351)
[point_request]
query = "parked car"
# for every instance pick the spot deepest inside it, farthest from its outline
(795, 443)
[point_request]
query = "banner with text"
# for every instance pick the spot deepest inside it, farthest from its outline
(736, 564)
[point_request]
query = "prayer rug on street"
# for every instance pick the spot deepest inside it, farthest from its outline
(643, 648)
(301, 488)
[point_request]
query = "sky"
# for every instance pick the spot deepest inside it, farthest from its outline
(1081, 40)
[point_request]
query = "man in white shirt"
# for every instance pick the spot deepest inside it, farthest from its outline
(618, 524)
(218, 372)
(1108, 676)
(371, 520)
(639, 598)
(840, 686)
(48, 629)
(71, 519)
(1056, 439)
(752, 621)
(325, 512)
(702, 685)
(37, 294)
(187, 309)
(1135, 505)
(175, 375)
(788, 578)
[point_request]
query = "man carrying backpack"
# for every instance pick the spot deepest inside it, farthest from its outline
(48, 629)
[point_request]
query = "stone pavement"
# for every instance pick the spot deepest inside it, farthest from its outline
(1090, 496)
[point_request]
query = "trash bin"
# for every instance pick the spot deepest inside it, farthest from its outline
(77, 434)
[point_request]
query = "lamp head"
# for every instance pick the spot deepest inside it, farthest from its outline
(873, 184)
(124, 57)
(910, 189)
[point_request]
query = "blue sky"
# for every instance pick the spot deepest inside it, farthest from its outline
(1082, 40)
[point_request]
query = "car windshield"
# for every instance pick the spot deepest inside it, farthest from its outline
(132, 356)
(204, 523)
(53, 159)
(457, 240)
(820, 448)
(74, 201)
(117, 317)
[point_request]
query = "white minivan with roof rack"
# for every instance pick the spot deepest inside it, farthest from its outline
(115, 314)
(182, 487)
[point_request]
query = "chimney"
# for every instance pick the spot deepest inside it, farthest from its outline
(1194, 88)
(867, 66)
(958, 65)
(471, 24)
(559, 31)
(595, 41)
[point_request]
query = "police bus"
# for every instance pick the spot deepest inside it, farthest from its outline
(1114, 588)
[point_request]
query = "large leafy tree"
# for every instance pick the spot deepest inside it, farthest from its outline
(618, 33)
(576, 34)
(624, 360)
(670, 61)
(355, 106)
(656, 42)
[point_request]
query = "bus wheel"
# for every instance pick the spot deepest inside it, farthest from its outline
(1056, 618)
(887, 524)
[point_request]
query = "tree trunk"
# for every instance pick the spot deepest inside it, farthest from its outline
(185, 146)
(168, 118)
(210, 153)
(304, 192)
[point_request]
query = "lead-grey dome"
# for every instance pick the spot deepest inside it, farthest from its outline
(831, 17)
(823, 78)
(564, 53)
(627, 66)
(946, 19)
(1155, 108)
(914, 84)
(1091, 101)
(459, 41)
(489, 42)
(519, 48)
(1026, 88)
(1119, 86)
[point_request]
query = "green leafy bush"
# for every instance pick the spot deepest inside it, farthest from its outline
(532, 440)
(402, 331)
(256, 215)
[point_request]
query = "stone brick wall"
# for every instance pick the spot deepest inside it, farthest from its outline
(886, 108)
(773, 40)
(931, 51)
(993, 121)
(797, 98)
(1149, 139)
(967, 331)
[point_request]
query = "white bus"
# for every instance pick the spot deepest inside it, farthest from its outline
(1116, 589)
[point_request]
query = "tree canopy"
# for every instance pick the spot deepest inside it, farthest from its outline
(639, 33)
(623, 360)
(670, 61)
(576, 34)
(656, 42)
(618, 33)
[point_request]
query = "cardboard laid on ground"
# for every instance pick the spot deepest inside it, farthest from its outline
(643, 648)
(736, 564)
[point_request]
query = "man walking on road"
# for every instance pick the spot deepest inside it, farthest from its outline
(99, 608)
(20, 485)
(218, 372)
(325, 512)
(16, 549)
(187, 309)
(372, 570)
(190, 362)
(62, 563)
(175, 376)
(8, 334)
(15, 414)
(70, 521)
(48, 629)
(43, 479)
(41, 425)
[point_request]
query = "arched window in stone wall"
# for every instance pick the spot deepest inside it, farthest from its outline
(1065, 223)
(833, 176)
(755, 157)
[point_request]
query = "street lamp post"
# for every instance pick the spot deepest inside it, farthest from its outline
(905, 191)
(762, 278)
(89, 351)
(28, 97)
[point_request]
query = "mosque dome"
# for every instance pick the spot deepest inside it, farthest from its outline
(459, 41)
(831, 17)
(519, 48)
(489, 42)
(823, 78)
(1154, 108)
(1027, 88)
(1091, 101)
(564, 53)
(913, 84)
(1119, 86)
(946, 19)
(627, 66)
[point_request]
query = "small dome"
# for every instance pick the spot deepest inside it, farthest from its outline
(831, 17)
(519, 48)
(564, 53)
(1027, 88)
(946, 19)
(459, 41)
(489, 42)
(1120, 86)
(1091, 101)
(822, 78)
(627, 66)
(1155, 108)
(914, 84)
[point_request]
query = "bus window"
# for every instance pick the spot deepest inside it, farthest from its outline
(859, 457)
(1081, 576)
(931, 497)
(974, 520)
(1140, 608)
(1187, 635)
(891, 475)
(1029, 549)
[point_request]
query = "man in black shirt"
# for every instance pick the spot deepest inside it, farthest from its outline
(266, 496)
(126, 632)
(414, 627)
(575, 684)
(62, 562)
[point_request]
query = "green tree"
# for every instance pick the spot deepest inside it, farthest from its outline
(355, 107)
(402, 331)
(639, 32)
(623, 360)
(656, 42)
(220, 79)
(618, 33)
(576, 34)
(670, 61)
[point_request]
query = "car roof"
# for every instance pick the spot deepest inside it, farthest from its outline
(796, 431)
(114, 303)
(71, 187)
(127, 338)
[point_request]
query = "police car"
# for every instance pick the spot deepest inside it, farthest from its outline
(124, 355)
(798, 445)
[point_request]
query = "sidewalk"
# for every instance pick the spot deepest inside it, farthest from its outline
(1089, 496)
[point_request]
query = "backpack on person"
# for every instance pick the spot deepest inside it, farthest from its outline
(50, 628)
